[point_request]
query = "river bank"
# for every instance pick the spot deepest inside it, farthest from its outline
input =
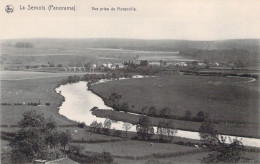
(79, 100)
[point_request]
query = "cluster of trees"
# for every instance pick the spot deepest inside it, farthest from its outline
(166, 130)
(50, 64)
(132, 64)
(99, 127)
(93, 78)
(114, 101)
(30, 103)
(152, 111)
(23, 45)
(142, 68)
(75, 152)
(200, 116)
(167, 113)
(38, 138)
(144, 128)
(217, 144)
(238, 57)
(32, 66)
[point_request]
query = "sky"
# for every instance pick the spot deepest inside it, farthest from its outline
(153, 19)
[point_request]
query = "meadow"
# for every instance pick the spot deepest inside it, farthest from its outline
(30, 75)
(230, 101)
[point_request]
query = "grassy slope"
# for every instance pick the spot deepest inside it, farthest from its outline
(30, 91)
(227, 99)
(193, 158)
(136, 148)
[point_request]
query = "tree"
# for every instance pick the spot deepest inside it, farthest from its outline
(127, 126)
(188, 115)
(107, 123)
(117, 133)
(166, 130)
(161, 130)
(99, 127)
(222, 151)
(82, 124)
(201, 116)
(152, 111)
(64, 139)
(144, 128)
(145, 110)
(93, 126)
(170, 130)
(59, 65)
(107, 126)
(87, 65)
(52, 139)
(165, 112)
(124, 107)
(208, 133)
(143, 63)
(36, 138)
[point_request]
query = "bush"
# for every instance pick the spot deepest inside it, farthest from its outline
(81, 125)
(117, 133)
(104, 157)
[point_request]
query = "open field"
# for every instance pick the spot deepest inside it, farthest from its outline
(30, 91)
(27, 75)
(224, 99)
(191, 158)
(135, 148)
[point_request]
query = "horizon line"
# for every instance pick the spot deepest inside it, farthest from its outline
(25, 38)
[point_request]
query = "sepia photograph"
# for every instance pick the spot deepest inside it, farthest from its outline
(129, 82)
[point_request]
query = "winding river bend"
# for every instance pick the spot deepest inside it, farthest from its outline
(79, 101)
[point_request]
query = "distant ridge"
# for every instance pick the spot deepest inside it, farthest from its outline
(251, 45)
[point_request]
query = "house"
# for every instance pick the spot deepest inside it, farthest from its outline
(154, 63)
(202, 64)
(183, 64)
(93, 67)
(109, 65)
(119, 65)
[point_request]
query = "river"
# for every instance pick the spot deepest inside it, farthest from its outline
(79, 101)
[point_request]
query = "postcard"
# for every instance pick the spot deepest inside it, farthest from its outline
(130, 81)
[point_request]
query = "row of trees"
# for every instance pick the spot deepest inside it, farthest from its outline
(145, 130)
(114, 101)
(222, 151)
(99, 127)
(93, 78)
